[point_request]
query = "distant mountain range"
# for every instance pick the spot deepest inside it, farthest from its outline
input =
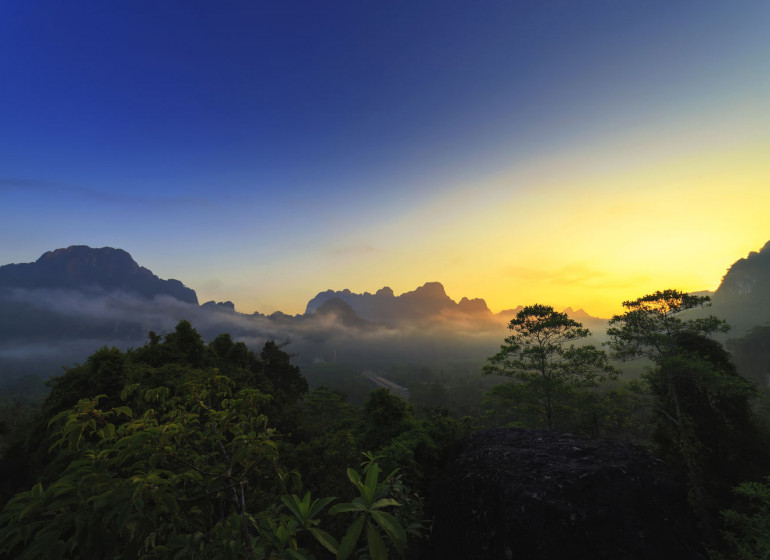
(106, 270)
(427, 304)
(102, 296)
(384, 306)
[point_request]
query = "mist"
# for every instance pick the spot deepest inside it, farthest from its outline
(44, 330)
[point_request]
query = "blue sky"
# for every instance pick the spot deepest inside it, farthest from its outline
(264, 151)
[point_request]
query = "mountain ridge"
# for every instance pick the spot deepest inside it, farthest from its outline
(79, 267)
(424, 303)
(71, 300)
(746, 283)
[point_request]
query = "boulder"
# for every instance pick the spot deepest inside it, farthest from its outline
(510, 493)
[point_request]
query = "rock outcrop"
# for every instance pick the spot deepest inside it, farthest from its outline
(748, 278)
(513, 493)
(82, 268)
(743, 296)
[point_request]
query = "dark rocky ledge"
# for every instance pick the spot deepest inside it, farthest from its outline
(510, 493)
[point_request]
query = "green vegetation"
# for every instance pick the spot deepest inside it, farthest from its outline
(183, 449)
(748, 530)
(537, 356)
(704, 423)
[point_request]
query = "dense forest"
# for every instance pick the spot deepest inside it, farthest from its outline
(185, 449)
(286, 280)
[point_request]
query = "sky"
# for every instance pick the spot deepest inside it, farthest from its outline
(567, 153)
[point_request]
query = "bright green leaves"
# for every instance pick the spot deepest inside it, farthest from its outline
(180, 480)
(369, 509)
(281, 533)
(86, 421)
(377, 549)
(382, 529)
(178, 468)
(177, 460)
(389, 523)
(306, 511)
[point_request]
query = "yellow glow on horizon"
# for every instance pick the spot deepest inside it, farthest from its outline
(585, 230)
(589, 240)
(596, 241)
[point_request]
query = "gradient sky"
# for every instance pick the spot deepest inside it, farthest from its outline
(569, 153)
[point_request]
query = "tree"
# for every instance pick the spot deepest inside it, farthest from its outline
(748, 531)
(169, 480)
(188, 472)
(705, 424)
(649, 325)
(537, 355)
(387, 416)
(176, 459)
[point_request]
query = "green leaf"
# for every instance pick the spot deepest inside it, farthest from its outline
(58, 417)
(37, 491)
(293, 503)
(30, 509)
(329, 542)
(377, 548)
(350, 539)
(319, 505)
(392, 528)
(123, 410)
(347, 506)
(385, 502)
(369, 489)
(354, 477)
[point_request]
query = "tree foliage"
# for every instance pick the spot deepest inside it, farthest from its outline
(748, 530)
(650, 324)
(178, 460)
(705, 424)
(146, 484)
(539, 354)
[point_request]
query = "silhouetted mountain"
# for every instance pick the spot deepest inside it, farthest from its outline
(475, 305)
(73, 300)
(743, 296)
(82, 293)
(342, 313)
(82, 268)
(747, 279)
(226, 306)
(429, 302)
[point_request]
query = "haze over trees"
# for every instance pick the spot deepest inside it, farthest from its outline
(704, 422)
(182, 447)
(179, 449)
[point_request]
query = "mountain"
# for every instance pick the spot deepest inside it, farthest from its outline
(70, 301)
(429, 302)
(81, 293)
(748, 279)
(340, 312)
(743, 296)
(82, 268)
